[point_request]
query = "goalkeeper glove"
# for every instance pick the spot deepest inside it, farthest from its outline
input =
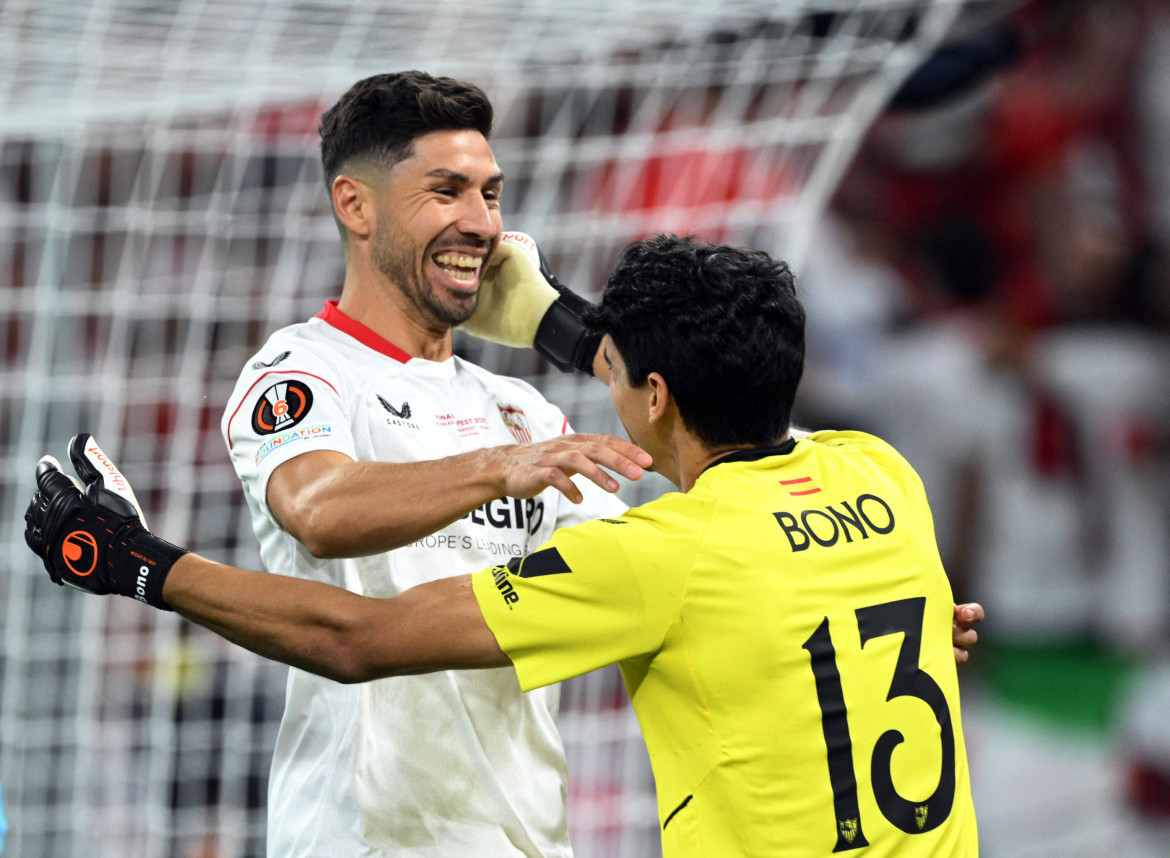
(91, 537)
(521, 304)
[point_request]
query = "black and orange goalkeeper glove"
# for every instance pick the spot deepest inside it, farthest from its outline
(90, 533)
(521, 304)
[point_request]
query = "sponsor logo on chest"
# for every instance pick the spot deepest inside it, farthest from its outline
(399, 415)
(500, 527)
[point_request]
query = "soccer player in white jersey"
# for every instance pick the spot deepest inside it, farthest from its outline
(373, 459)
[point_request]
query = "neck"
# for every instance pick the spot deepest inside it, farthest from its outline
(387, 313)
(700, 456)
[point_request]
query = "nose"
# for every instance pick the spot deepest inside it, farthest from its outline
(479, 218)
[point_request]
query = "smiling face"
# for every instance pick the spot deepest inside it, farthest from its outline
(438, 222)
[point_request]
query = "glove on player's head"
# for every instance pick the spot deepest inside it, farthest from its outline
(521, 304)
(91, 537)
(514, 295)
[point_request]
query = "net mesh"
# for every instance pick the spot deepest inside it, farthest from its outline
(162, 210)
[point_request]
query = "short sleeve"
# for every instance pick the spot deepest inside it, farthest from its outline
(596, 594)
(276, 413)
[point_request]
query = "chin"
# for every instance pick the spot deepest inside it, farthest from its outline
(455, 309)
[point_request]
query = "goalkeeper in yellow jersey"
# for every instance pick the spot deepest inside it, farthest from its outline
(783, 623)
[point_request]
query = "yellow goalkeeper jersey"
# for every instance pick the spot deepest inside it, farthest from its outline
(784, 633)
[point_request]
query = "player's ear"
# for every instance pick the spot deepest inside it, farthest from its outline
(353, 204)
(660, 399)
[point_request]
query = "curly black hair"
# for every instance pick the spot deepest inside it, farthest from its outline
(722, 325)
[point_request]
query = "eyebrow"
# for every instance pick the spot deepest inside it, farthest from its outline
(605, 356)
(456, 176)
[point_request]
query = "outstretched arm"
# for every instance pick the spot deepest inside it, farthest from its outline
(333, 632)
(91, 537)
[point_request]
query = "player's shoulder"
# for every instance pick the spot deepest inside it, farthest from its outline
(298, 349)
(847, 440)
(290, 345)
(298, 358)
(865, 451)
(653, 537)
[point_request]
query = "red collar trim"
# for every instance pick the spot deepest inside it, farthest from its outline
(333, 316)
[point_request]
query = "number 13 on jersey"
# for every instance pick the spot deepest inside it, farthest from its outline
(913, 814)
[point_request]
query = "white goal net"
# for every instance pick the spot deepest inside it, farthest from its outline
(162, 210)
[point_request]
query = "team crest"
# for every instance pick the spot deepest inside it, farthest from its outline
(281, 407)
(517, 423)
(848, 828)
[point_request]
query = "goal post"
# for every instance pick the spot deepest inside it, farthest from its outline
(162, 210)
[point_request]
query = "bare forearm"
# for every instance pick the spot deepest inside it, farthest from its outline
(300, 623)
(369, 507)
(337, 507)
(330, 631)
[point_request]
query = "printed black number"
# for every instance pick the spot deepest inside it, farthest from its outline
(910, 680)
(835, 726)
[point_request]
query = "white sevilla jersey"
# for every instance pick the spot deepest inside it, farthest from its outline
(450, 763)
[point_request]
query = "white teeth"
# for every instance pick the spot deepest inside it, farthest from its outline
(471, 262)
(458, 266)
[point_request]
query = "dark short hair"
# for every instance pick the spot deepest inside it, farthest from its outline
(378, 119)
(721, 324)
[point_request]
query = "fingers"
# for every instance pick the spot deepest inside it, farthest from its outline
(586, 467)
(51, 480)
(77, 449)
(552, 464)
(968, 614)
(963, 637)
(962, 633)
(45, 468)
(592, 456)
(104, 482)
(616, 454)
(559, 475)
(52, 483)
(561, 481)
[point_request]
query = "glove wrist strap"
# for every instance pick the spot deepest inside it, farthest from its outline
(563, 338)
(147, 562)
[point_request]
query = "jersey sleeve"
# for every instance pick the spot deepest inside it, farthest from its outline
(596, 594)
(277, 412)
